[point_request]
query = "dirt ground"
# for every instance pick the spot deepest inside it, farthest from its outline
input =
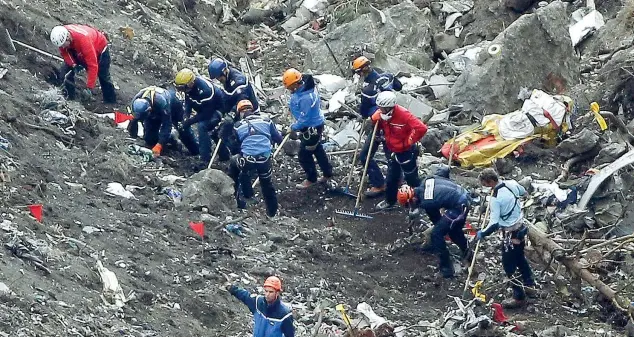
(147, 242)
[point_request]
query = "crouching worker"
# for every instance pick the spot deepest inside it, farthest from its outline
(255, 134)
(160, 109)
(434, 194)
(272, 318)
(507, 216)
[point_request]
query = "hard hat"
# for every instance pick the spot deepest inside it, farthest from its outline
(243, 105)
(273, 282)
(140, 107)
(217, 67)
(359, 63)
(405, 194)
(291, 76)
(386, 99)
(184, 77)
(59, 36)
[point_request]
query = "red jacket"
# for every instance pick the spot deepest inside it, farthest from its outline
(402, 130)
(87, 45)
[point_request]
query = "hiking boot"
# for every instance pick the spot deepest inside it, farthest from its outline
(531, 292)
(384, 206)
(304, 185)
(374, 192)
(512, 303)
(447, 271)
(323, 180)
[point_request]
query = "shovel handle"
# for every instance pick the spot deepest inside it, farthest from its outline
(365, 168)
(356, 151)
(215, 153)
(475, 252)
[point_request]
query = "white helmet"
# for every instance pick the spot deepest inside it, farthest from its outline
(386, 99)
(59, 35)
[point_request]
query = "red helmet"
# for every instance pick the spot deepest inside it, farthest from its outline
(405, 195)
(273, 282)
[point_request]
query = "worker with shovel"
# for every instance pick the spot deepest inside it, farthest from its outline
(309, 122)
(236, 84)
(272, 317)
(160, 109)
(86, 47)
(208, 101)
(507, 215)
(374, 83)
(255, 134)
(434, 195)
(402, 131)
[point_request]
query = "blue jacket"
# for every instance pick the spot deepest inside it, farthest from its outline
(206, 99)
(255, 134)
(436, 193)
(166, 107)
(271, 320)
(506, 209)
(305, 105)
(238, 88)
(375, 83)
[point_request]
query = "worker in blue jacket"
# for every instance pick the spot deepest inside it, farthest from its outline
(506, 215)
(255, 134)
(160, 109)
(208, 101)
(374, 83)
(272, 317)
(309, 122)
(433, 195)
(236, 84)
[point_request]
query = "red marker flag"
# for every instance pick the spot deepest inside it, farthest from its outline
(36, 211)
(120, 117)
(198, 227)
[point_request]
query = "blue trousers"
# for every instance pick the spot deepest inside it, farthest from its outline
(242, 169)
(450, 224)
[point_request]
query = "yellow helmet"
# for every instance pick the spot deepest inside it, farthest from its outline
(184, 77)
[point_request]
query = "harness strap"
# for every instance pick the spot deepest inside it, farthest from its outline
(495, 194)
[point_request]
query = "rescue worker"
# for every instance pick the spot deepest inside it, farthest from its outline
(207, 100)
(236, 84)
(447, 205)
(506, 215)
(374, 82)
(85, 47)
(272, 317)
(402, 131)
(309, 122)
(255, 134)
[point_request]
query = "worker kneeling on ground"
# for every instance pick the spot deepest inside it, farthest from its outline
(402, 131)
(305, 108)
(160, 109)
(507, 215)
(207, 100)
(254, 134)
(272, 318)
(87, 47)
(433, 195)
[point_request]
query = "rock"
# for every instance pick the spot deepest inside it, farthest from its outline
(536, 52)
(209, 188)
(409, 43)
(609, 153)
(291, 147)
(519, 6)
(443, 42)
(420, 108)
(580, 143)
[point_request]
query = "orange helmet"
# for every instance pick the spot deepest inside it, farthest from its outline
(273, 282)
(291, 76)
(405, 194)
(244, 104)
(359, 63)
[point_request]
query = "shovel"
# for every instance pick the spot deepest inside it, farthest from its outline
(475, 252)
(346, 191)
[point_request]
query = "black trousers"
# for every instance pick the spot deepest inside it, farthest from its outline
(401, 163)
(311, 146)
(107, 87)
(242, 169)
(513, 259)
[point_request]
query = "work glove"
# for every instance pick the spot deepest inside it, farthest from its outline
(156, 150)
(376, 116)
(479, 235)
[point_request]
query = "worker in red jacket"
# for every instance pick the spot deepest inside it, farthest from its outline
(84, 47)
(402, 131)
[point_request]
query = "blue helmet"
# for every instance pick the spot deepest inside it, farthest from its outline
(141, 108)
(217, 67)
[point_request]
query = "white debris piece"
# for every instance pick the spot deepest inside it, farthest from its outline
(551, 188)
(456, 6)
(331, 83)
(316, 6)
(411, 83)
(171, 179)
(4, 289)
(374, 319)
(463, 58)
(112, 292)
(337, 100)
(118, 189)
(346, 135)
(439, 84)
(123, 125)
(584, 24)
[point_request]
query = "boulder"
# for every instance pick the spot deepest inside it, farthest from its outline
(609, 153)
(405, 35)
(536, 52)
(209, 188)
(443, 42)
(581, 142)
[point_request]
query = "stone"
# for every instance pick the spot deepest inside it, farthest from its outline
(443, 42)
(609, 153)
(536, 52)
(209, 188)
(519, 6)
(409, 43)
(581, 142)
